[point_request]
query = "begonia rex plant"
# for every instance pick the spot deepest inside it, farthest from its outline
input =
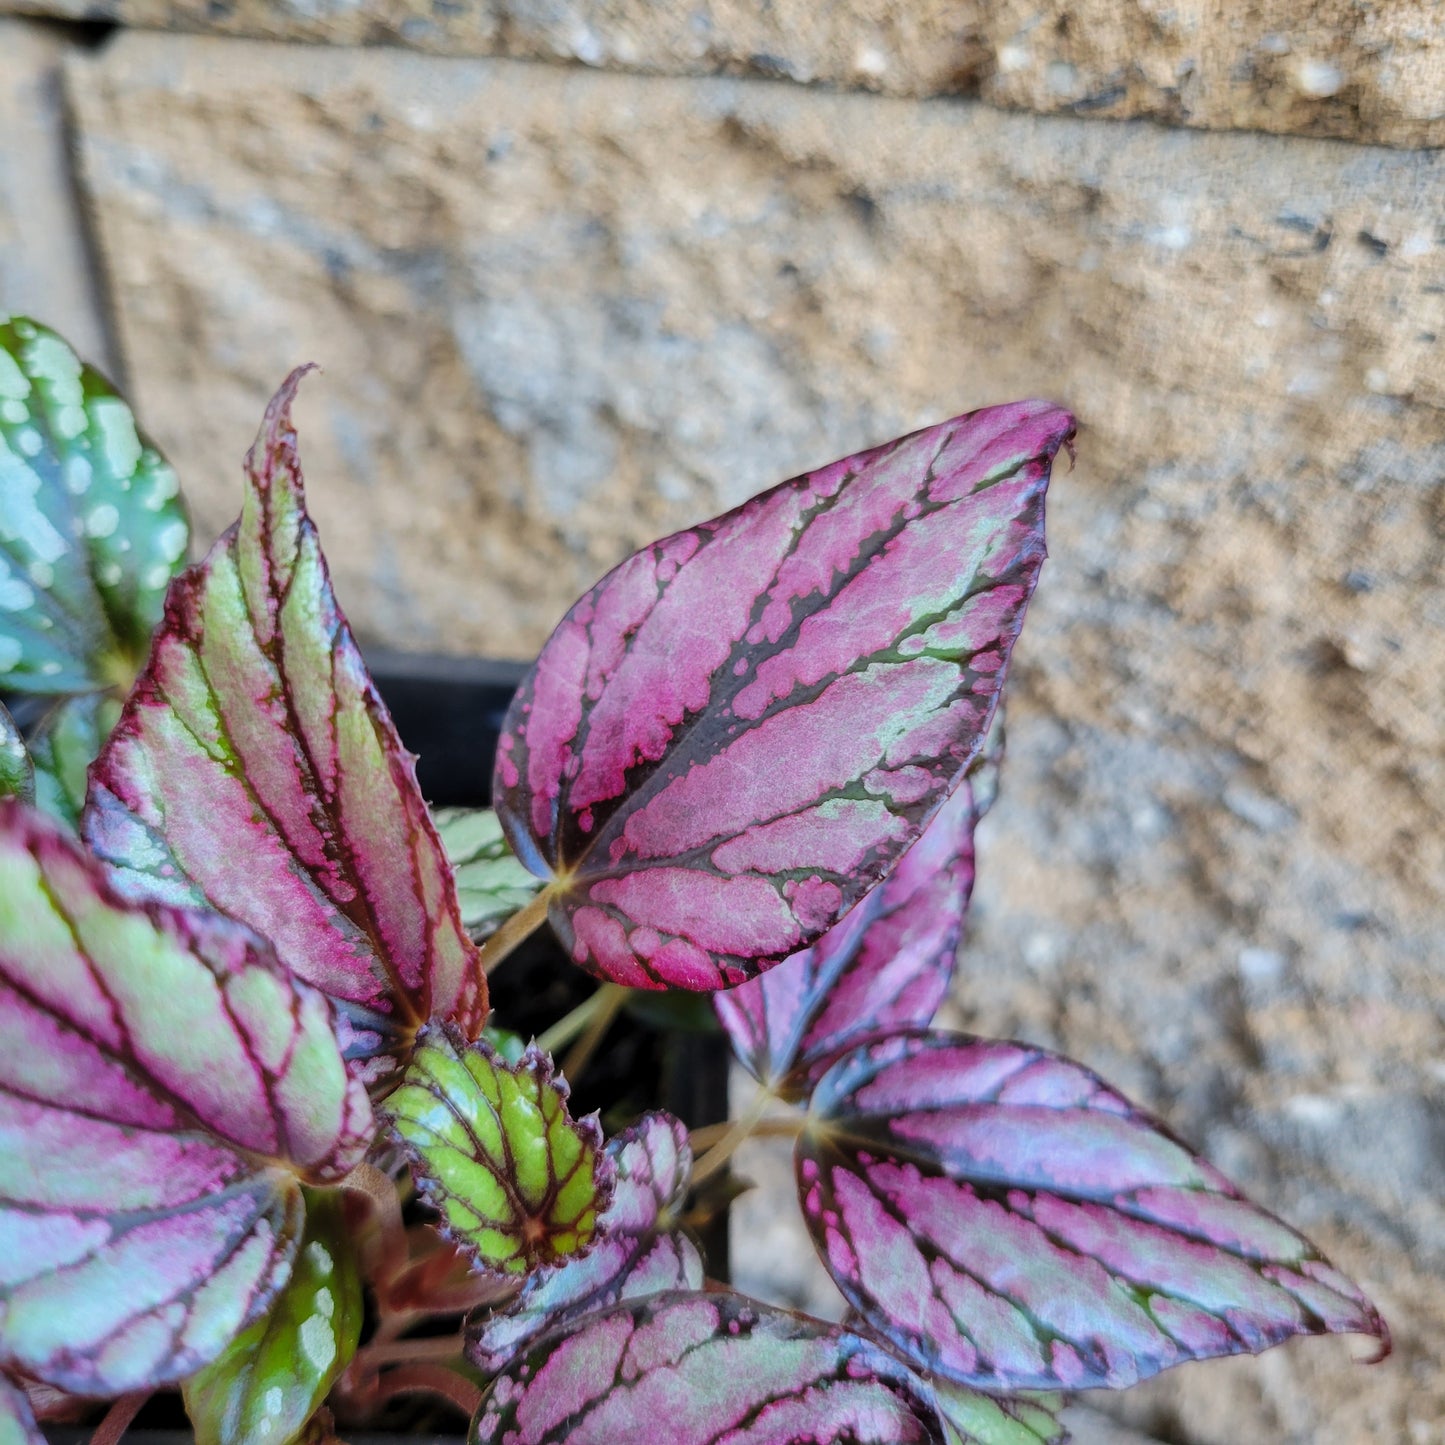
(243, 981)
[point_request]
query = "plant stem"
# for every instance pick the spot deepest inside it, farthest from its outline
(749, 1123)
(516, 930)
(789, 1126)
(397, 1352)
(432, 1380)
(610, 999)
(117, 1419)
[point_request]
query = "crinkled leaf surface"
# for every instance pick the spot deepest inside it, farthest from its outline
(265, 1386)
(255, 768)
(739, 731)
(515, 1179)
(640, 1251)
(164, 1088)
(703, 1369)
(491, 884)
(91, 527)
(17, 772)
(1009, 1221)
(886, 966)
(17, 1420)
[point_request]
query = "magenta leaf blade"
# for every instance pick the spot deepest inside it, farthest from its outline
(703, 1369)
(255, 732)
(886, 966)
(641, 1249)
(740, 730)
(165, 1088)
(1009, 1221)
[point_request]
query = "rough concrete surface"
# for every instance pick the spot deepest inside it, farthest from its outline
(1364, 71)
(562, 311)
(44, 266)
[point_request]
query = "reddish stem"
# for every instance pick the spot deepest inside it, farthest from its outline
(118, 1417)
(430, 1380)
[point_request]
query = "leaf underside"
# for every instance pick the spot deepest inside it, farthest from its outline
(640, 1249)
(515, 1179)
(1009, 1221)
(270, 1379)
(164, 1088)
(255, 733)
(885, 967)
(740, 730)
(91, 526)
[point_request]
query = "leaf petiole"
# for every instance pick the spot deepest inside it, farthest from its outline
(748, 1125)
(515, 931)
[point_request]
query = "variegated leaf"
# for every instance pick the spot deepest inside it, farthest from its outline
(739, 731)
(91, 528)
(886, 966)
(17, 772)
(270, 1379)
(255, 733)
(641, 1249)
(703, 1369)
(1011, 1222)
(514, 1178)
(165, 1088)
(491, 884)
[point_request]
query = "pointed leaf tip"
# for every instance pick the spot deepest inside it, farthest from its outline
(255, 732)
(165, 1088)
(514, 1178)
(1009, 1221)
(741, 729)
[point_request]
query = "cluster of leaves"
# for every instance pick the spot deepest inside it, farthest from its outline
(243, 1006)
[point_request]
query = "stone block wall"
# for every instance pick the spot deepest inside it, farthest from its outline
(578, 274)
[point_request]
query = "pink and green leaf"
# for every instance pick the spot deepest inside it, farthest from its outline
(255, 732)
(886, 966)
(641, 1249)
(17, 772)
(91, 527)
(165, 1088)
(703, 1369)
(269, 1381)
(17, 1419)
(1009, 1221)
(515, 1179)
(739, 731)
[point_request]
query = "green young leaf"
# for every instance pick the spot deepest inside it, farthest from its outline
(970, 1417)
(91, 527)
(65, 744)
(271, 1378)
(516, 1181)
(491, 884)
(17, 772)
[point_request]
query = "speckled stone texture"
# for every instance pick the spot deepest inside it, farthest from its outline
(43, 262)
(1362, 71)
(561, 312)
